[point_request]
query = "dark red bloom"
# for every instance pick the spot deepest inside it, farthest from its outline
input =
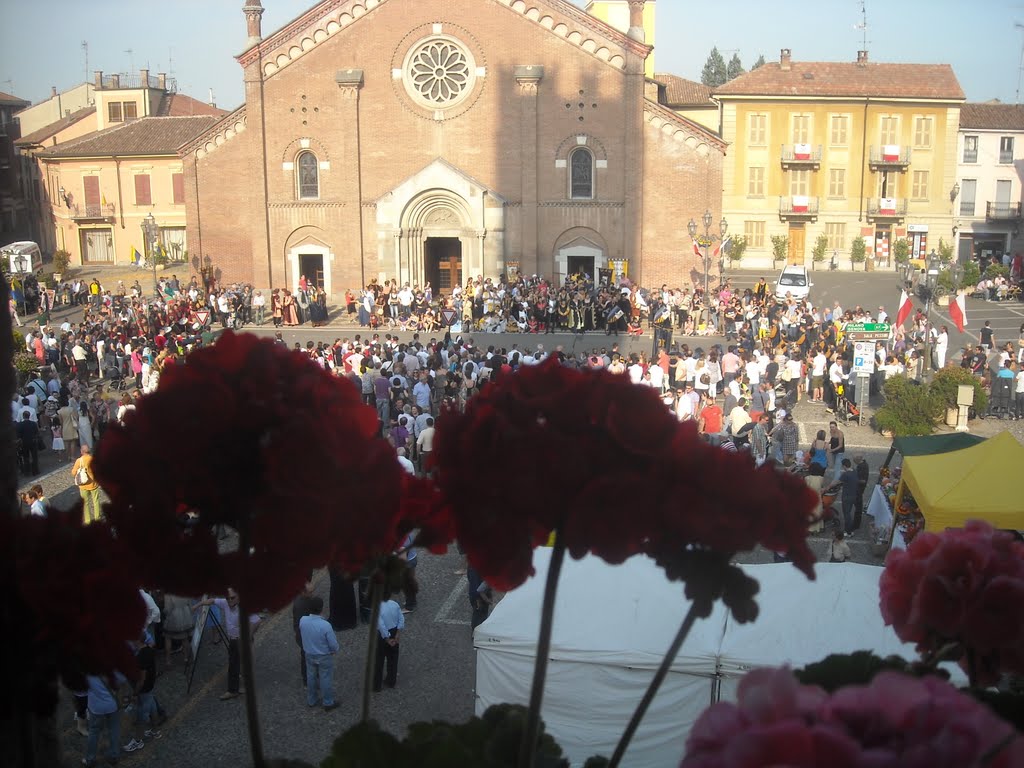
(601, 460)
(961, 587)
(75, 598)
(248, 433)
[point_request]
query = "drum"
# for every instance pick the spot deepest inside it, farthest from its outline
(663, 315)
(614, 314)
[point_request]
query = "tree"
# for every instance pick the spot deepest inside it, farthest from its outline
(759, 63)
(715, 72)
(735, 68)
(820, 246)
(858, 251)
(780, 248)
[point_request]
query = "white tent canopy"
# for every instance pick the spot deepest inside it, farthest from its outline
(613, 624)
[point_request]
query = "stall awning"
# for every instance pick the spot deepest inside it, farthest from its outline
(979, 482)
(935, 444)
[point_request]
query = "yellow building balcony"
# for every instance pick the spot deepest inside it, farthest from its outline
(92, 212)
(798, 208)
(888, 209)
(801, 157)
(889, 157)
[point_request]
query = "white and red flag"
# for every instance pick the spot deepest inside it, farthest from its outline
(891, 153)
(906, 305)
(802, 151)
(799, 203)
(958, 312)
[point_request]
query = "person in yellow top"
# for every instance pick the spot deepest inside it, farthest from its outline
(89, 489)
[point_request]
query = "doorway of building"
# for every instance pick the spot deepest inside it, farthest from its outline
(312, 266)
(581, 265)
(97, 246)
(797, 244)
(442, 263)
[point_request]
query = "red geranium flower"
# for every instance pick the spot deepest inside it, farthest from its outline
(894, 722)
(72, 598)
(248, 433)
(601, 460)
(960, 587)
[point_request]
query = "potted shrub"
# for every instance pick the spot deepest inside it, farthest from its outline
(818, 252)
(910, 409)
(780, 249)
(945, 252)
(994, 270)
(737, 247)
(901, 252)
(945, 385)
(61, 262)
(858, 251)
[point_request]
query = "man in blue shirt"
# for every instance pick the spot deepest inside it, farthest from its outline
(848, 480)
(389, 624)
(319, 643)
(104, 713)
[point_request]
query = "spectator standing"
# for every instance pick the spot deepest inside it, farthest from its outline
(319, 645)
(303, 606)
(104, 715)
(228, 608)
(146, 714)
(88, 488)
(389, 624)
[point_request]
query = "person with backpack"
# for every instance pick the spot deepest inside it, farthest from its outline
(88, 488)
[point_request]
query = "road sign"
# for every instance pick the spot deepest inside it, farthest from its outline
(203, 316)
(867, 331)
(864, 358)
(449, 316)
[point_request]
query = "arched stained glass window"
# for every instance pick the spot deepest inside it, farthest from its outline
(581, 175)
(309, 176)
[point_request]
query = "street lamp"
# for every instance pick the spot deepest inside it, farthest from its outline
(705, 241)
(931, 278)
(150, 232)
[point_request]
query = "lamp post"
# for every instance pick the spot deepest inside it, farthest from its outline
(705, 241)
(931, 278)
(151, 232)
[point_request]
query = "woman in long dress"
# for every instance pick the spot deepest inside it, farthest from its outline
(318, 307)
(275, 307)
(85, 426)
(289, 314)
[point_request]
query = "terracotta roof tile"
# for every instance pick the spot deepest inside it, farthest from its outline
(147, 136)
(849, 79)
(180, 105)
(6, 98)
(47, 131)
(680, 92)
(992, 116)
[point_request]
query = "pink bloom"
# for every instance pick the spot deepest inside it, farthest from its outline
(961, 587)
(894, 722)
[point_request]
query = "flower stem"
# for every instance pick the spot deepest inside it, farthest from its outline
(528, 747)
(252, 717)
(371, 646)
(652, 689)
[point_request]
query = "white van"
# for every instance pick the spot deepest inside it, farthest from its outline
(22, 258)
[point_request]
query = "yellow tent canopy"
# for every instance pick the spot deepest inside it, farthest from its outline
(980, 482)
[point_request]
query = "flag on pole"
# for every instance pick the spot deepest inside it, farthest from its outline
(723, 246)
(904, 311)
(891, 153)
(958, 312)
(696, 249)
(135, 256)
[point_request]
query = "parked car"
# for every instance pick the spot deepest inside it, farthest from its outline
(793, 281)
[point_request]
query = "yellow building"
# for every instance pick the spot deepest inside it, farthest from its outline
(841, 149)
(99, 186)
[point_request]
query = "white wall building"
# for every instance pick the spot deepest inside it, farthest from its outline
(990, 172)
(60, 105)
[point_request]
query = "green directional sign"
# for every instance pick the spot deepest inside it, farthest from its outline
(867, 328)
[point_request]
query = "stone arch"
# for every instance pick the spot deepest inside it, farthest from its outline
(579, 242)
(307, 241)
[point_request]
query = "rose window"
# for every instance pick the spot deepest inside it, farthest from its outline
(440, 73)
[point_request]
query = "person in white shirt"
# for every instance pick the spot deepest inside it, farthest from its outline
(1019, 394)
(405, 463)
(941, 347)
(635, 371)
(818, 376)
(657, 379)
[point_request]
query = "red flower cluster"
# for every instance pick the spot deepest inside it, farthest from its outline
(894, 722)
(71, 595)
(602, 460)
(961, 587)
(248, 433)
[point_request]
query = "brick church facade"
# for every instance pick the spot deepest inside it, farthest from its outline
(441, 140)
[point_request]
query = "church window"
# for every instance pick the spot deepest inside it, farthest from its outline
(581, 175)
(440, 72)
(309, 176)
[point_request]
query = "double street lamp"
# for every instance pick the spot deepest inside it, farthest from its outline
(705, 241)
(151, 235)
(931, 279)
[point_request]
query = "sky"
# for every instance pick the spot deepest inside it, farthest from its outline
(196, 40)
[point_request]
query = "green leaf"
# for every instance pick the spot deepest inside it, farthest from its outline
(365, 745)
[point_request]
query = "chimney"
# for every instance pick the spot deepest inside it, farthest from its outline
(115, 81)
(785, 57)
(144, 78)
(161, 81)
(53, 91)
(253, 10)
(862, 57)
(636, 20)
(97, 82)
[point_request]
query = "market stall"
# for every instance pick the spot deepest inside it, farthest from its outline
(980, 482)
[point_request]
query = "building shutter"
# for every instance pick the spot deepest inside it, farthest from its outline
(143, 196)
(178, 185)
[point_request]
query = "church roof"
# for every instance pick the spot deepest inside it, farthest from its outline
(146, 136)
(847, 79)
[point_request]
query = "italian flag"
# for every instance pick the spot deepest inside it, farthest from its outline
(723, 246)
(958, 312)
(696, 249)
(904, 310)
(887, 206)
